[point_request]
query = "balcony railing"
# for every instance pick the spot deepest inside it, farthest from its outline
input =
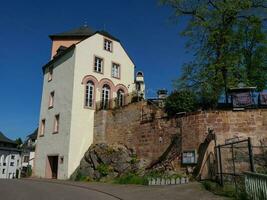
(115, 103)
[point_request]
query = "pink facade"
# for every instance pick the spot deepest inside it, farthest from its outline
(56, 43)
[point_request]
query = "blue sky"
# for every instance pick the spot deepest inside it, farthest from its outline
(144, 27)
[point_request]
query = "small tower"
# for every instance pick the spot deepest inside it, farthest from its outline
(162, 94)
(140, 84)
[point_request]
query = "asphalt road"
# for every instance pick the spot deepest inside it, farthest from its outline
(43, 189)
(31, 190)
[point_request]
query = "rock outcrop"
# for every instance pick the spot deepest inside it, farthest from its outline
(103, 161)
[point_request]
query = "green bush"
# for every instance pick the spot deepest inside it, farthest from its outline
(131, 178)
(80, 177)
(180, 101)
(103, 169)
(29, 171)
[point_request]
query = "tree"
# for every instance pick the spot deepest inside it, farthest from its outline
(228, 39)
(180, 101)
(19, 142)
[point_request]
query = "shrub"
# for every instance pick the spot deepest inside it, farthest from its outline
(103, 169)
(80, 177)
(180, 101)
(131, 178)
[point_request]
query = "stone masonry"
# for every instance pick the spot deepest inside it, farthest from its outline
(148, 130)
(226, 124)
(138, 126)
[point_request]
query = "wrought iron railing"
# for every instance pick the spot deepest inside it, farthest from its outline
(115, 103)
(256, 185)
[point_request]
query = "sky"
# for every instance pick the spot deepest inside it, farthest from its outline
(144, 27)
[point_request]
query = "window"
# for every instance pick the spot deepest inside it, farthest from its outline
(89, 94)
(12, 157)
(42, 128)
(120, 98)
(3, 171)
(11, 163)
(51, 99)
(108, 45)
(56, 124)
(115, 70)
(98, 65)
(50, 73)
(26, 159)
(105, 97)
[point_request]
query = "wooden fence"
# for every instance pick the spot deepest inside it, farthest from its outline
(256, 185)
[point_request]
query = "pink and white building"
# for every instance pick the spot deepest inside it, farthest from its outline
(86, 67)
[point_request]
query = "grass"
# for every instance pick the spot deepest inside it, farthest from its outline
(131, 178)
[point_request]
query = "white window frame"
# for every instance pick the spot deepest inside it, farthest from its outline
(115, 70)
(105, 96)
(89, 94)
(120, 98)
(98, 64)
(108, 45)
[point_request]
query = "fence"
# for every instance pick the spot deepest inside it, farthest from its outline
(234, 157)
(237, 163)
(256, 185)
(245, 100)
(114, 103)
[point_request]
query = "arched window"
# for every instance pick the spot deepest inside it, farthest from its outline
(120, 98)
(89, 94)
(105, 96)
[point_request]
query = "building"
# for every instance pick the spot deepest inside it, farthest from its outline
(28, 153)
(10, 158)
(87, 71)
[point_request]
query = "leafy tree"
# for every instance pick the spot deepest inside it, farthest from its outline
(180, 101)
(228, 39)
(19, 142)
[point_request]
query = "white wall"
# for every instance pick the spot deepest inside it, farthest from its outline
(76, 122)
(31, 155)
(82, 123)
(9, 170)
(56, 144)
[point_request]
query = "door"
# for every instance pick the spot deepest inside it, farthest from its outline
(53, 166)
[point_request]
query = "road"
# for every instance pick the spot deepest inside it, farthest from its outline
(31, 189)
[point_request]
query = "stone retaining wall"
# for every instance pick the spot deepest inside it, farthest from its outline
(226, 124)
(138, 126)
(147, 129)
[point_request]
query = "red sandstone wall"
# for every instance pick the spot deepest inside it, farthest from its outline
(226, 124)
(137, 126)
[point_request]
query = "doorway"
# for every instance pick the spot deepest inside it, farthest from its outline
(52, 167)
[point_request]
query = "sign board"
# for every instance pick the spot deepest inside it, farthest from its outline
(189, 157)
(242, 99)
(263, 99)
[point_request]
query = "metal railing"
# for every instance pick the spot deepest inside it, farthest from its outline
(256, 185)
(115, 103)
